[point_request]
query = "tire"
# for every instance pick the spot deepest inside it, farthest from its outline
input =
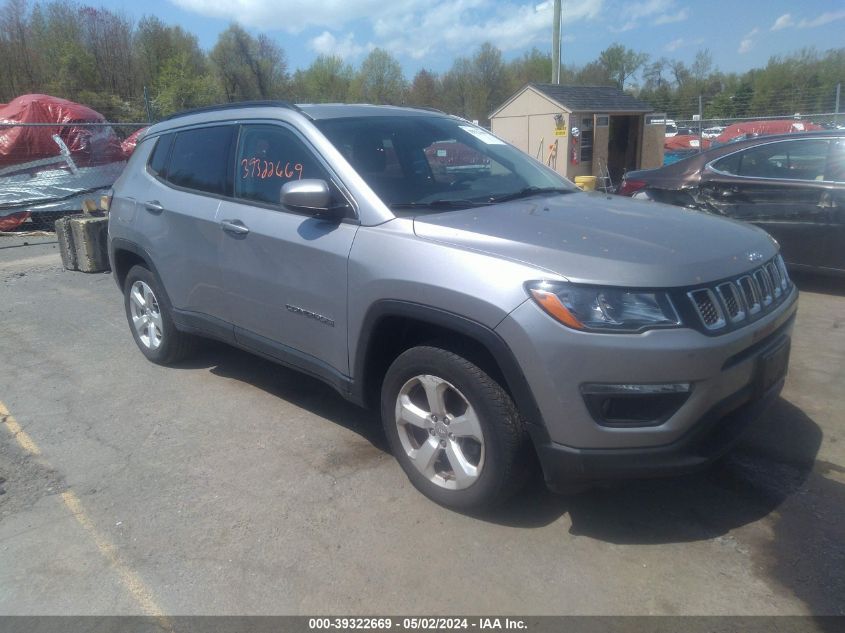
(428, 446)
(150, 320)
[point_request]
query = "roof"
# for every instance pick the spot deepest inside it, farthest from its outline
(344, 110)
(586, 98)
(271, 109)
(314, 110)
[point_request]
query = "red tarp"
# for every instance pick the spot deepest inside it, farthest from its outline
(128, 145)
(11, 222)
(681, 142)
(763, 128)
(87, 145)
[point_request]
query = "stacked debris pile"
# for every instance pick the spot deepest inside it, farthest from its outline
(54, 153)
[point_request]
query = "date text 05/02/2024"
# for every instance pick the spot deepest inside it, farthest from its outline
(416, 623)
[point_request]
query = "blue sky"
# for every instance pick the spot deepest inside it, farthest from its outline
(740, 34)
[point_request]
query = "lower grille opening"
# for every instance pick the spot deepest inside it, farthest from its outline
(631, 409)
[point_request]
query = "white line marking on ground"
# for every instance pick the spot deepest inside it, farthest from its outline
(130, 579)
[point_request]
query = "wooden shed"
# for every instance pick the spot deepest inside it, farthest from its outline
(582, 130)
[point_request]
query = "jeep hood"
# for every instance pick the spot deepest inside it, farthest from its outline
(603, 239)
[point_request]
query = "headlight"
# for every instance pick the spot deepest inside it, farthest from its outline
(604, 309)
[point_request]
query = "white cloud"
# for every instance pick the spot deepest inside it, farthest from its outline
(415, 28)
(824, 18)
(747, 42)
(783, 22)
(787, 21)
(675, 44)
(629, 25)
(682, 42)
(636, 10)
(650, 12)
(345, 48)
(455, 26)
(294, 15)
(670, 18)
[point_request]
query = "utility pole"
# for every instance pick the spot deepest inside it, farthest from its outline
(700, 116)
(556, 44)
(147, 106)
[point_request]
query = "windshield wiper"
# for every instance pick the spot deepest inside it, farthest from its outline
(529, 191)
(438, 204)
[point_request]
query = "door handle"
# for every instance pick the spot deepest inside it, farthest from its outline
(826, 201)
(153, 206)
(732, 192)
(235, 227)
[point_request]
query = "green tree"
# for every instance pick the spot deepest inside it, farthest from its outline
(180, 87)
(326, 80)
(457, 88)
(249, 67)
(380, 79)
(621, 63)
(490, 82)
(424, 90)
(154, 44)
(534, 66)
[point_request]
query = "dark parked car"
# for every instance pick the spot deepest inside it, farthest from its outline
(793, 186)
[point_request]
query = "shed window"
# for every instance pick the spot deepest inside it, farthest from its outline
(587, 146)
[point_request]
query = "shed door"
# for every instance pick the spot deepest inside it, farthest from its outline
(654, 135)
(601, 135)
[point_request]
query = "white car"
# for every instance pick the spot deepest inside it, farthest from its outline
(712, 132)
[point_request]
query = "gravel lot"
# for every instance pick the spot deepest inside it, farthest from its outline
(228, 485)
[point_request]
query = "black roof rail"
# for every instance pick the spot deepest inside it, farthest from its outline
(235, 105)
(426, 108)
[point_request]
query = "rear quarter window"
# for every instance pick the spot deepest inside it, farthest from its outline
(200, 159)
(161, 152)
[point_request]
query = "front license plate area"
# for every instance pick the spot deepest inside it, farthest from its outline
(771, 367)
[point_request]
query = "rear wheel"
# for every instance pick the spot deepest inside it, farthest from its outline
(150, 320)
(454, 430)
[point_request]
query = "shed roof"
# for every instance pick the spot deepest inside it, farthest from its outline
(586, 98)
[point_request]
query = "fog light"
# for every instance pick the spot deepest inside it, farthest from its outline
(629, 405)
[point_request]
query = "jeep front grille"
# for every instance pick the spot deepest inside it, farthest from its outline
(708, 308)
(736, 301)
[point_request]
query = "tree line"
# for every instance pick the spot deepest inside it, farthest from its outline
(131, 70)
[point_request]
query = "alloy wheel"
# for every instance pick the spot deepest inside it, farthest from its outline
(440, 432)
(146, 315)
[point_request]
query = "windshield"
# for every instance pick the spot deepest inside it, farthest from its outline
(437, 162)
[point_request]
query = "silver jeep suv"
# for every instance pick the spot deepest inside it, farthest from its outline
(494, 314)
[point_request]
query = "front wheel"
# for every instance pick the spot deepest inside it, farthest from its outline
(454, 430)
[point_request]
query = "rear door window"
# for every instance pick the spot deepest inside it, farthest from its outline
(200, 159)
(786, 160)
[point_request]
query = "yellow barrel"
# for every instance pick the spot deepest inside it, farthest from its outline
(586, 183)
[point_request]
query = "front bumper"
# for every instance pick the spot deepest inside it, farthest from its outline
(712, 437)
(725, 396)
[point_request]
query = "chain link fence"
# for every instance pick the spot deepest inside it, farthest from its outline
(50, 170)
(686, 136)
